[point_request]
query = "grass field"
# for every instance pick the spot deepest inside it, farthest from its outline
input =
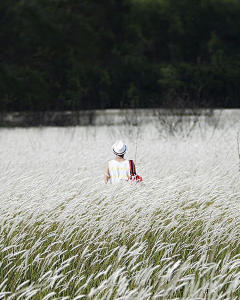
(66, 235)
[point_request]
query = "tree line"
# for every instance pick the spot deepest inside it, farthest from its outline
(96, 54)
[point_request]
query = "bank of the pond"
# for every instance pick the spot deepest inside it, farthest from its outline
(107, 117)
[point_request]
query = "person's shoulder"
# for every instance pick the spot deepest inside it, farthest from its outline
(127, 161)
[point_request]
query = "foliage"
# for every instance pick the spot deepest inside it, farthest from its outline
(67, 54)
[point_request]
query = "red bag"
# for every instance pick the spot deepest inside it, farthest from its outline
(133, 175)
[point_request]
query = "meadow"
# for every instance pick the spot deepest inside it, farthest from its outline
(64, 234)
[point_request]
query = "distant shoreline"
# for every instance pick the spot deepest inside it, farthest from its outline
(104, 117)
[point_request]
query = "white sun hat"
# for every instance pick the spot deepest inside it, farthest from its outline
(119, 148)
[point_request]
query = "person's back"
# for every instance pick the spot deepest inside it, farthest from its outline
(118, 170)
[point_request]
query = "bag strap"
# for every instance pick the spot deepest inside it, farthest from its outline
(132, 168)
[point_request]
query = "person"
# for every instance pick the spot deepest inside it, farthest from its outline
(118, 169)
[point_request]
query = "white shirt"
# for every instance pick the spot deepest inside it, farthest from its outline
(118, 170)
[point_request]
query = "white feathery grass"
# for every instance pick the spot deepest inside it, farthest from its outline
(66, 235)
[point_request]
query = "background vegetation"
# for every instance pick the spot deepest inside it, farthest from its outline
(88, 54)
